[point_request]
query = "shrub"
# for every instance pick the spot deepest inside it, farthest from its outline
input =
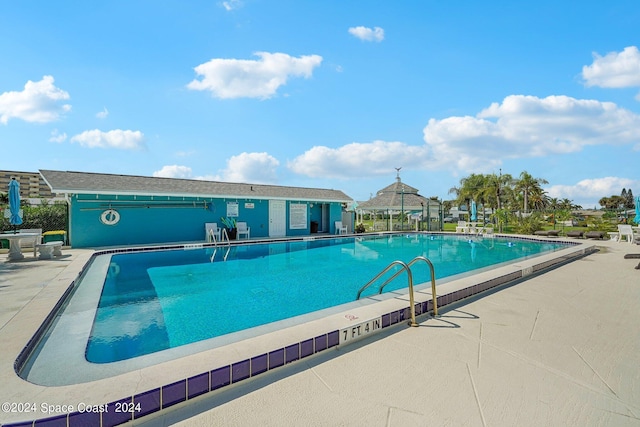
(529, 224)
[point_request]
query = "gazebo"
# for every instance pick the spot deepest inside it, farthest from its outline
(399, 198)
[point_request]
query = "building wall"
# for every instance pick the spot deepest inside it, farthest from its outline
(150, 220)
(32, 184)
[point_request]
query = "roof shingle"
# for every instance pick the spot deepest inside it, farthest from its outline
(96, 183)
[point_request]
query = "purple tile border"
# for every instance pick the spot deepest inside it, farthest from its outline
(321, 342)
(240, 371)
(220, 377)
(333, 339)
(183, 390)
(393, 317)
(259, 364)
(57, 421)
(198, 385)
(386, 320)
(306, 348)
(81, 419)
(113, 418)
(174, 393)
(276, 358)
(291, 353)
(20, 424)
(145, 403)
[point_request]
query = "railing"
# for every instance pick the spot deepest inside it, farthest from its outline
(212, 238)
(433, 280)
(225, 235)
(407, 268)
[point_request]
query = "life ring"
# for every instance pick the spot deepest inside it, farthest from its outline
(110, 217)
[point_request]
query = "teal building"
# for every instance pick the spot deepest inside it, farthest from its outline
(116, 210)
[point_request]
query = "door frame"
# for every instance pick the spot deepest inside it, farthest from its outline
(277, 218)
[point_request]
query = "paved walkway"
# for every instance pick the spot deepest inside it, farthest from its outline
(562, 348)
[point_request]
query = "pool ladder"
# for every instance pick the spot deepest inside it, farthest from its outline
(224, 236)
(406, 267)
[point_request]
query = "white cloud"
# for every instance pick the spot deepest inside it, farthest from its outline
(173, 171)
(56, 136)
(120, 139)
(367, 34)
(39, 102)
(358, 159)
(588, 191)
(103, 114)
(527, 126)
(242, 78)
(614, 70)
(251, 167)
(519, 127)
(231, 4)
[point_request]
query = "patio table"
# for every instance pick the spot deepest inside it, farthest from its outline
(15, 251)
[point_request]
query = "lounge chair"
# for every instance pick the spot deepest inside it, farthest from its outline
(243, 230)
(594, 235)
(341, 229)
(625, 230)
(575, 233)
(548, 233)
(631, 256)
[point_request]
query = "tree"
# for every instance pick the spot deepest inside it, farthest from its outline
(627, 195)
(569, 205)
(499, 188)
(530, 188)
(611, 203)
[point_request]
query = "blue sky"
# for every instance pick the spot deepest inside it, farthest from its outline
(331, 94)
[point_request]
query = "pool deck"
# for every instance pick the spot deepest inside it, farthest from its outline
(560, 348)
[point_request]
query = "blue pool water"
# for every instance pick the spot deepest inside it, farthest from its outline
(152, 301)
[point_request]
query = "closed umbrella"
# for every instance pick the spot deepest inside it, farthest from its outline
(474, 211)
(14, 203)
(637, 218)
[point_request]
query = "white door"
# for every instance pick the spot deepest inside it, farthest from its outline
(277, 218)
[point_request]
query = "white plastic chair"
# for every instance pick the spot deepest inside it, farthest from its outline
(340, 229)
(210, 230)
(625, 230)
(243, 230)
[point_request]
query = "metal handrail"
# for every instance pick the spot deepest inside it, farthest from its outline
(226, 235)
(387, 268)
(212, 238)
(407, 268)
(433, 280)
(404, 266)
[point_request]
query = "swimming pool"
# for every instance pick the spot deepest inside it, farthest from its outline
(173, 302)
(174, 298)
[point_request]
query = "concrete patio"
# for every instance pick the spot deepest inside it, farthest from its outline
(561, 348)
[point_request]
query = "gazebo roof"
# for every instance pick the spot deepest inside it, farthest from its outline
(396, 197)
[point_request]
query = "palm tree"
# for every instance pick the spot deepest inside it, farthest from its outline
(471, 188)
(530, 186)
